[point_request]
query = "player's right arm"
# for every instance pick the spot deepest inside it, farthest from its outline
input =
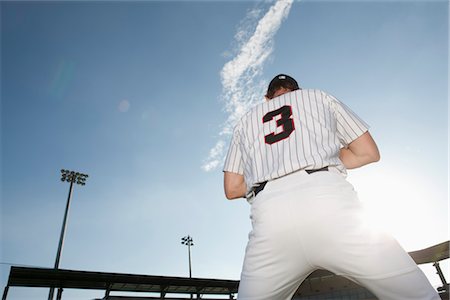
(360, 152)
(234, 185)
(233, 170)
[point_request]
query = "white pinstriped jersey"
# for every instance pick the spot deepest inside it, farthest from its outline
(303, 129)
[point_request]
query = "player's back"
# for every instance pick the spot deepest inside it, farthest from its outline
(297, 130)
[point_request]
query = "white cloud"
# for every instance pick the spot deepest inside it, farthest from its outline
(239, 76)
(215, 156)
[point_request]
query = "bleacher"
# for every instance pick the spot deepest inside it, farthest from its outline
(321, 284)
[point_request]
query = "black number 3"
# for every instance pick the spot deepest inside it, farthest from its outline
(285, 121)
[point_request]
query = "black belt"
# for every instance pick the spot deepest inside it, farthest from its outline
(261, 186)
(317, 170)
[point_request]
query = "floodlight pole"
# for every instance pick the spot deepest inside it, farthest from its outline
(64, 226)
(188, 241)
(190, 265)
(71, 177)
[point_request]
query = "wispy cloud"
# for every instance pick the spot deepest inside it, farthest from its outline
(242, 87)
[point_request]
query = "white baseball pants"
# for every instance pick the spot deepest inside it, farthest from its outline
(303, 222)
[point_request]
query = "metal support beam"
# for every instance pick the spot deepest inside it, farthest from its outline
(441, 275)
(107, 291)
(5, 292)
(59, 294)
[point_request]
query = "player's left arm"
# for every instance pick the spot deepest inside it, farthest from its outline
(360, 152)
(234, 185)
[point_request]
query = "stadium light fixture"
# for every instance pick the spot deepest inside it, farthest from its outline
(72, 177)
(188, 241)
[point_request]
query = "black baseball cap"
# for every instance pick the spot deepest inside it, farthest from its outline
(281, 81)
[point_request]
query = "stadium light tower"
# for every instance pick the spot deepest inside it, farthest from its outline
(188, 241)
(72, 177)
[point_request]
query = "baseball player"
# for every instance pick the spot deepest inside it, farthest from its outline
(288, 156)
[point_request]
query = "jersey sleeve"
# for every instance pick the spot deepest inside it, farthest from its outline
(233, 160)
(349, 125)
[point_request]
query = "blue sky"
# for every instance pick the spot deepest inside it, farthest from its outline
(132, 94)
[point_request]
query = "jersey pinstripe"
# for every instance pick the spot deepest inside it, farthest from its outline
(303, 129)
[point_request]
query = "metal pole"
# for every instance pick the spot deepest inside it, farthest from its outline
(61, 238)
(59, 295)
(187, 240)
(63, 229)
(441, 275)
(5, 292)
(190, 269)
